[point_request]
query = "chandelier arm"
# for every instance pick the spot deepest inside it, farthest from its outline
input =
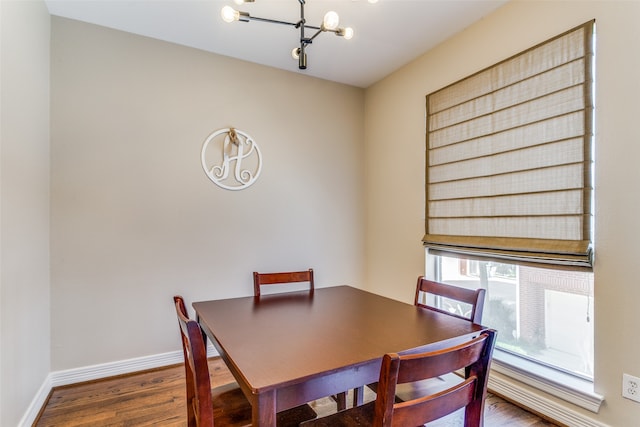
(309, 40)
(313, 27)
(272, 21)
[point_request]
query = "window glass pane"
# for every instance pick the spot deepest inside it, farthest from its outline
(541, 314)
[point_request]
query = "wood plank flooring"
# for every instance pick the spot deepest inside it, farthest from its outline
(157, 397)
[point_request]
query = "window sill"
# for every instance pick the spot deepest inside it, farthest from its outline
(554, 382)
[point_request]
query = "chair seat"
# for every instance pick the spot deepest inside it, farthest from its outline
(362, 415)
(232, 409)
(410, 391)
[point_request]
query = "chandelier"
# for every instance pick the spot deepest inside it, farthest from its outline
(329, 24)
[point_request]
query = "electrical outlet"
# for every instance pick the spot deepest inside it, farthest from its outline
(631, 387)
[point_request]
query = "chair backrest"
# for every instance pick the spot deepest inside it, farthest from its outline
(199, 407)
(260, 279)
(473, 297)
(474, 356)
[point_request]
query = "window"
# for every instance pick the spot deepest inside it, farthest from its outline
(543, 315)
(509, 198)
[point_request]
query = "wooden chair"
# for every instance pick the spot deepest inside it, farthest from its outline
(474, 298)
(473, 304)
(265, 279)
(226, 404)
(474, 356)
(262, 279)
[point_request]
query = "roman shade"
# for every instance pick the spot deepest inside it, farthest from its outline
(509, 158)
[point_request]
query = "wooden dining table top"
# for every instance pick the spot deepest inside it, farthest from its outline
(291, 348)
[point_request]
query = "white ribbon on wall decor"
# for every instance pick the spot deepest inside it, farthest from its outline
(231, 159)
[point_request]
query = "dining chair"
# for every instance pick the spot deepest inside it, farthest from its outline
(455, 301)
(282, 278)
(462, 302)
(474, 356)
(223, 406)
(263, 279)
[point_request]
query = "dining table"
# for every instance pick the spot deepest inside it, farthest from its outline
(291, 348)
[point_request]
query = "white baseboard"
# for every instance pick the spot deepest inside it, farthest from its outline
(94, 372)
(502, 386)
(537, 402)
(39, 400)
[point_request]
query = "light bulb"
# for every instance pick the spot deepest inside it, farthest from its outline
(331, 20)
(239, 2)
(348, 33)
(295, 53)
(373, 1)
(229, 14)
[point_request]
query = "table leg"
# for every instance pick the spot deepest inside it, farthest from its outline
(204, 335)
(264, 411)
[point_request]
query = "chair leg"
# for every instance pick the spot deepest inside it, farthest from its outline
(341, 400)
(358, 396)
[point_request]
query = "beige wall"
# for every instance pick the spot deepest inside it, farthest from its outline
(24, 205)
(395, 166)
(134, 219)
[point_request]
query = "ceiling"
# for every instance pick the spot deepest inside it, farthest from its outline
(388, 34)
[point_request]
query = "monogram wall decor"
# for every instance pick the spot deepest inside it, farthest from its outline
(231, 159)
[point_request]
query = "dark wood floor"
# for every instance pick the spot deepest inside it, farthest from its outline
(157, 398)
